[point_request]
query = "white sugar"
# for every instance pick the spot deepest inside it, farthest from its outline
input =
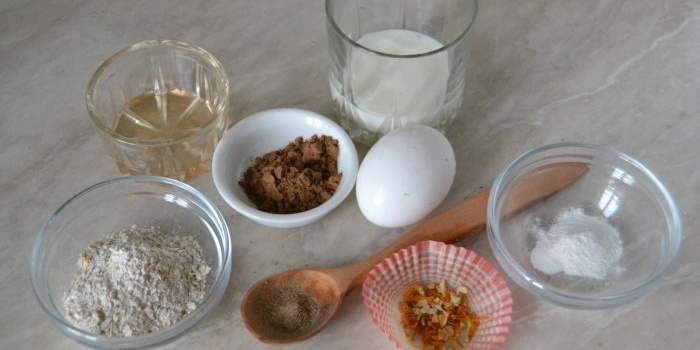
(577, 245)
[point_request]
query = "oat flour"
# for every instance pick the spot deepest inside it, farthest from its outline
(136, 281)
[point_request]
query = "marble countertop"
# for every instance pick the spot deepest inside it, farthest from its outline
(620, 73)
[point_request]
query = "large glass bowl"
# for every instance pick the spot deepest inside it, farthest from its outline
(107, 207)
(613, 187)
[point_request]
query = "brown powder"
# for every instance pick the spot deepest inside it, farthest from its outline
(290, 312)
(297, 178)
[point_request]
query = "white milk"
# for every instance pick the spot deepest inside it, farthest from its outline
(390, 92)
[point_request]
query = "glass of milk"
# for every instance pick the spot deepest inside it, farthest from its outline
(398, 62)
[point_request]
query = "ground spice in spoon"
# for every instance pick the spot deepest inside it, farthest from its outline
(297, 178)
(290, 311)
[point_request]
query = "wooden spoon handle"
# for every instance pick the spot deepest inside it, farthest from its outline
(469, 217)
(456, 222)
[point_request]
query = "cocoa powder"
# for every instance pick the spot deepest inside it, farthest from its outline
(297, 178)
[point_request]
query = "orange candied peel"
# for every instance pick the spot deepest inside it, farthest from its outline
(438, 317)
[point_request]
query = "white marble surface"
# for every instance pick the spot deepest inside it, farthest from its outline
(619, 73)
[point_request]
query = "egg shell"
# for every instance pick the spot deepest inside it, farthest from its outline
(405, 176)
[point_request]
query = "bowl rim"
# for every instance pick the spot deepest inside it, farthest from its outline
(539, 288)
(219, 109)
(162, 336)
(347, 183)
(333, 25)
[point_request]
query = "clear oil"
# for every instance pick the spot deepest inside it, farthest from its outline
(174, 134)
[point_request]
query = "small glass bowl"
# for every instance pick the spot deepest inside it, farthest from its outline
(614, 187)
(107, 207)
(177, 72)
(431, 262)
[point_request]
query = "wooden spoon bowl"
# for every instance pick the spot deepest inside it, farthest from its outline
(291, 306)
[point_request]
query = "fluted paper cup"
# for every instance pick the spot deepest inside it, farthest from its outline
(430, 262)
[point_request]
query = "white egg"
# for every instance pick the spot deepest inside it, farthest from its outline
(405, 176)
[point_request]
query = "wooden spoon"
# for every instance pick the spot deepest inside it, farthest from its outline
(294, 305)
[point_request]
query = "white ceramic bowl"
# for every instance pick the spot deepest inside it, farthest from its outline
(272, 130)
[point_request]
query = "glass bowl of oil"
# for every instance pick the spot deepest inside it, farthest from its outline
(160, 108)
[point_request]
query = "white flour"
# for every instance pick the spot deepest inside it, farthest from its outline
(578, 245)
(136, 281)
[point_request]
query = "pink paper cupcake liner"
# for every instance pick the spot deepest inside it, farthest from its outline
(431, 262)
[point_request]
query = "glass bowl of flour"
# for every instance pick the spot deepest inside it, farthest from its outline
(133, 262)
(601, 241)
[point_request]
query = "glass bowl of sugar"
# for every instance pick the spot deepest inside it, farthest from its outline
(600, 242)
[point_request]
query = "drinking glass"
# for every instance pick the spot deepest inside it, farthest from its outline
(160, 108)
(398, 62)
